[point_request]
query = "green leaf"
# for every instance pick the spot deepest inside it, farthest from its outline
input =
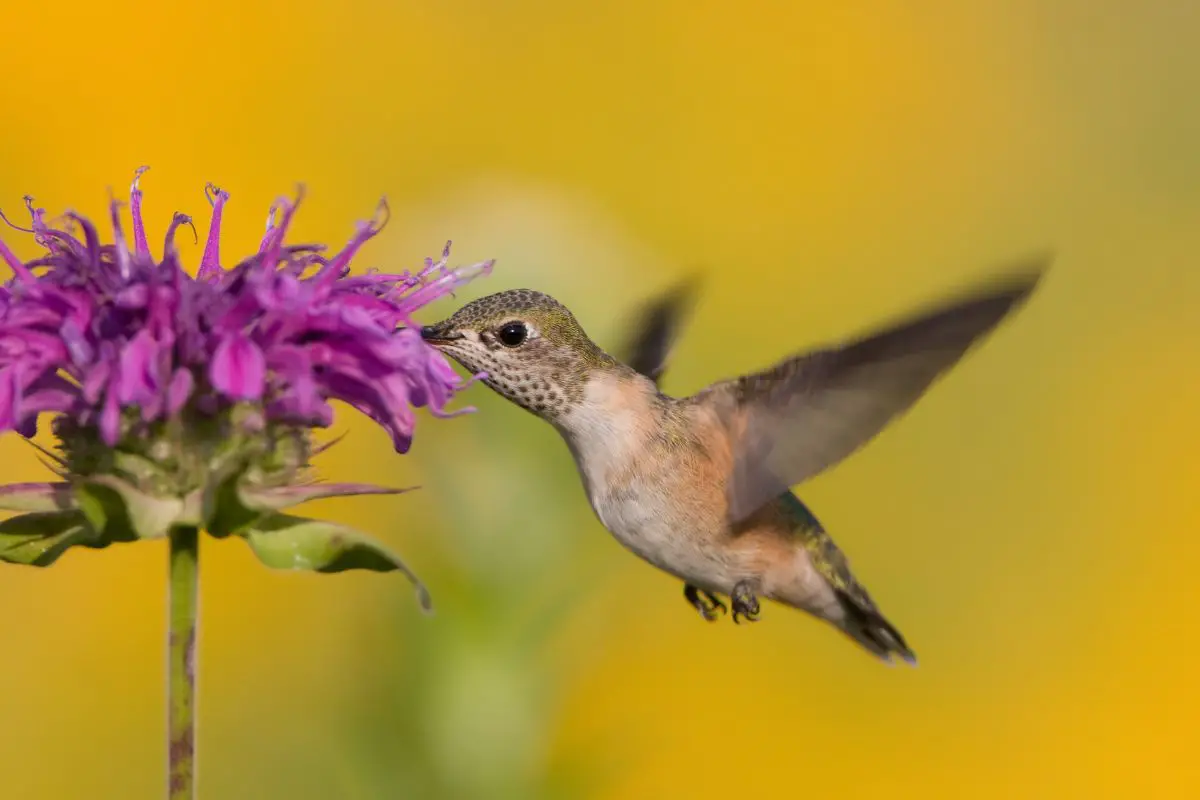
(277, 498)
(282, 541)
(38, 539)
(224, 512)
(37, 497)
(123, 513)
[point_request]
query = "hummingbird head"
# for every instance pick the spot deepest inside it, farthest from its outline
(532, 348)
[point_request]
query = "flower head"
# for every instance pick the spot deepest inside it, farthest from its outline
(172, 384)
(120, 340)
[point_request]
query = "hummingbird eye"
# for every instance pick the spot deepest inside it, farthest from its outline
(513, 334)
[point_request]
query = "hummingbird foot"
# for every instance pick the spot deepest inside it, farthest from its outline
(709, 606)
(745, 604)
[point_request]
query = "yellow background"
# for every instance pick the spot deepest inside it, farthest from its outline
(1032, 527)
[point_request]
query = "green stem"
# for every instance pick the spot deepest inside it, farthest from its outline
(181, 661)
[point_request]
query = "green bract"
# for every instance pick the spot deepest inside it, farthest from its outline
(226, 479)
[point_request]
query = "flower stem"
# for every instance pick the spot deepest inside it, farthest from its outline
(181, 662)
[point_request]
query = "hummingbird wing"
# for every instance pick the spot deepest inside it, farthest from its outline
(805, 414)
(656, 327)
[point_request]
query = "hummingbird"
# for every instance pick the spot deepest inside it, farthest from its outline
(701, 486)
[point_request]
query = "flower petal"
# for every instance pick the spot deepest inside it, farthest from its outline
(137, 379)
(238, 368)
(210, 262)
(140, 245)
(110, 417)
(10, 398)
(179, 390)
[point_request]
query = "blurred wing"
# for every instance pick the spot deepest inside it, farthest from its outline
(806, 414)
(656, 328)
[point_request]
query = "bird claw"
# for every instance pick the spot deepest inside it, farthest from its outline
(745, 604)
(709, 606)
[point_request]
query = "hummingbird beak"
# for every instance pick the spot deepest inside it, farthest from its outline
(438, 334)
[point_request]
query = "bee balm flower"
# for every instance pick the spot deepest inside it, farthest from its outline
(186, 402)
(189, 399)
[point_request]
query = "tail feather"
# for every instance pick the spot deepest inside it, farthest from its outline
(871, 630)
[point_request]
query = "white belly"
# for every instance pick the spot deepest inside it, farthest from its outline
(645, 526)
(635, 524)
(606, 436)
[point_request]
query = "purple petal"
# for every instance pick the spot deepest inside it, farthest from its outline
(137, 378)
(97, 377)
(238, 368)
(110, 418)
(10, 398)
(133, 297)
(49, 394)
(78, 347)
(140, 245)
(19, 269)
(385, 403)
(176, 221)
(124, 261)
(179, 390)
(92, 239)
(366, 230)
(210, 262)
(299, 395)
(273, 239)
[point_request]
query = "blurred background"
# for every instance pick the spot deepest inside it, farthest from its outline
(1032, 527)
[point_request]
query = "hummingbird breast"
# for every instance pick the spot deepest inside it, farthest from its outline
(655, 471)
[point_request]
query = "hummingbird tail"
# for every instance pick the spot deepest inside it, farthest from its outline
(869, 628)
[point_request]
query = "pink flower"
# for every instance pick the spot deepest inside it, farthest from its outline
(121, 341)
